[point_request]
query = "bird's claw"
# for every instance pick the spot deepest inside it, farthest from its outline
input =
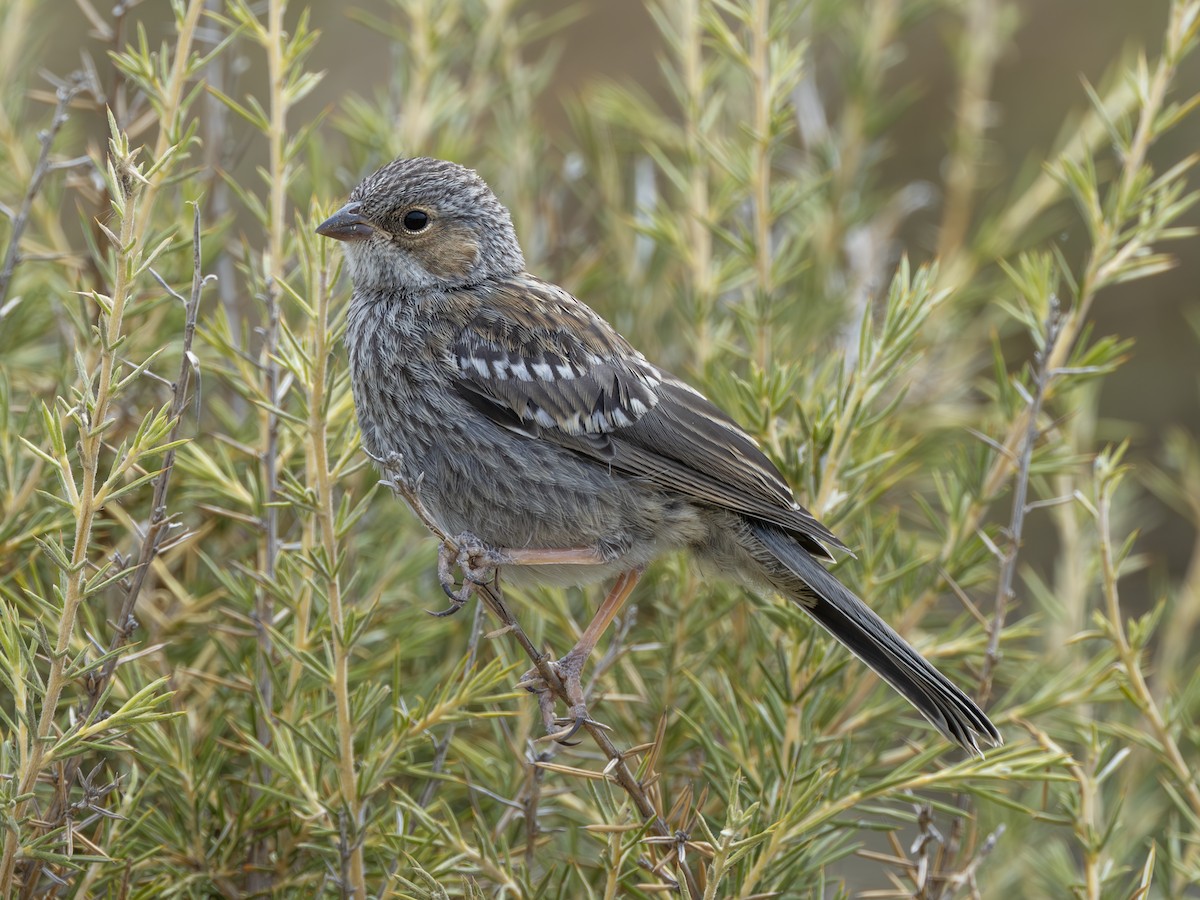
(566, 729)
(457, 602)
(561, 729)
(447, 557)
(476, 561)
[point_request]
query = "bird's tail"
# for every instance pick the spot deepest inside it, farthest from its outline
(800, 577)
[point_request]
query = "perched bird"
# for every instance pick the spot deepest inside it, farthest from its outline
(556, 451)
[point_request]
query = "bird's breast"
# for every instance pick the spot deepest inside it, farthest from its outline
(509, 489)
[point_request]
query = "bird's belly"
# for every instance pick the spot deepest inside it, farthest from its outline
(515, 492)
(524, 495)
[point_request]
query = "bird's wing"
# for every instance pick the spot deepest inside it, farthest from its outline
(537, 361)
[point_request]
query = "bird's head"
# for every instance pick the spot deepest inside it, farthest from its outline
(422, 225)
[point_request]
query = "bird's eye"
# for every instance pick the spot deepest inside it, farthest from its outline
(416, 220)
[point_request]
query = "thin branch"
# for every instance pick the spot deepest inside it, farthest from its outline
(1005, 595)
(273, 40)
(618, 769)
(1129, 654)
(64, 94)
(760, 177)
(539, 757)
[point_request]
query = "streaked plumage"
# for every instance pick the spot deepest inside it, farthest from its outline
(581, 385)
(534, 425)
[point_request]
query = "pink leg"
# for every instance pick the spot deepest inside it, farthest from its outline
(570, 667)
(479, 562)
(582, 556)
(608, 610)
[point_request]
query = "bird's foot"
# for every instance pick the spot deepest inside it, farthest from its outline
(477, 562)
(561, 729)
(392, 465)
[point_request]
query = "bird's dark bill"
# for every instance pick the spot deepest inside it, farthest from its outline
(347, 224)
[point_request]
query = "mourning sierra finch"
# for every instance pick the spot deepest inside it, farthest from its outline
(526, 422)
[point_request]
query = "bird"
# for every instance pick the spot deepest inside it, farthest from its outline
(555, 450)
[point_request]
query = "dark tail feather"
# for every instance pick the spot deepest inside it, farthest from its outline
(872, 640)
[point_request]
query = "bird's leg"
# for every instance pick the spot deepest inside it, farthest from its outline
(478, 563)
(570, 667)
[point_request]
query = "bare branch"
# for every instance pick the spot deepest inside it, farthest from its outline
(65, 93)
(1005, 595)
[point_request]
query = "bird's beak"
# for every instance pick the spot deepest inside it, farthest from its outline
(347, 224)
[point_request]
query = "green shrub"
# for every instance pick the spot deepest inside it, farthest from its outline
(217, 675)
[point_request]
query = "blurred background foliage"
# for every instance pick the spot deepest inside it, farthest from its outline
(936, 254)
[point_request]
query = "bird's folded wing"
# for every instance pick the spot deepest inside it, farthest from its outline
(539, 362)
